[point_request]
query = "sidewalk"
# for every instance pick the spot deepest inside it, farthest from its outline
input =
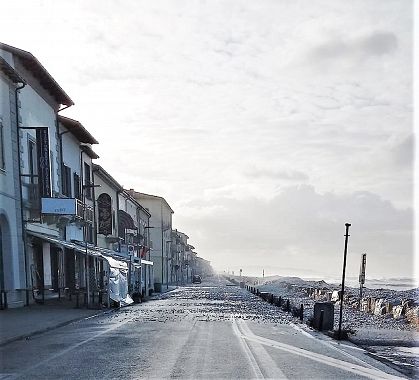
(26, 321)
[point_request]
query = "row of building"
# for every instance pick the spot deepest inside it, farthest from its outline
(68, 229)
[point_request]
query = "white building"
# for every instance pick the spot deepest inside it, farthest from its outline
(37, 105)
(122, 226)
(12, 258)
(160, 233)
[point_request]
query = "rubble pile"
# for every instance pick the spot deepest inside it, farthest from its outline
(380, 308)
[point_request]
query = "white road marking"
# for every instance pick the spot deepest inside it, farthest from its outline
(350, 367)
(334, 345)
(246, 349)
(268, 365)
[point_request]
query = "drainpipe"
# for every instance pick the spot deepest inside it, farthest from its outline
(162, 245)
(94, 209)
(20, 190)
(60, 139)
(117, 217)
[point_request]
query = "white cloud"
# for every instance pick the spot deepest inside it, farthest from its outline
(188, 97)
(304, 229)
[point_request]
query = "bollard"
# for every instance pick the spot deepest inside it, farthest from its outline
(280, 301)
(271, 300)
(257, 292)
(323, 316)
(301, 312)
(288, 305)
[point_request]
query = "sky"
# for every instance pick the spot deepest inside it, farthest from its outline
(267, 125)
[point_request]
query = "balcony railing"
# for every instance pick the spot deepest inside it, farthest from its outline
(84, 212)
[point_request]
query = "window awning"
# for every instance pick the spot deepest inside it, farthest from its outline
(56, 241)
(91, 250)
(107, 254)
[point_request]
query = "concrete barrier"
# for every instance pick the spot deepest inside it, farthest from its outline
(323, 316)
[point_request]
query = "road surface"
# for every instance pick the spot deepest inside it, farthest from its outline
(203, 331)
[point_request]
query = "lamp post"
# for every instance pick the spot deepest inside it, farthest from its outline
(167, 262)
(347, 225)
(148, 244)
(87, 274)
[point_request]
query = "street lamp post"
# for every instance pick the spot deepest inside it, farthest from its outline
(87, 274)
(347, 225)
(167, 262)
(148, 240)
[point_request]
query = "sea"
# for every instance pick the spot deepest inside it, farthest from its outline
(403, 283)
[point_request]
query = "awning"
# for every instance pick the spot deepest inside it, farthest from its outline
(107, 254)
(55, 240)
(116, 263)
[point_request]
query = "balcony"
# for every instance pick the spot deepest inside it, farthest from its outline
(67, 207)
(88, 213)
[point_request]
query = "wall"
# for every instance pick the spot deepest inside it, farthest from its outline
(10, 212)
(161, 221)
(110, 190)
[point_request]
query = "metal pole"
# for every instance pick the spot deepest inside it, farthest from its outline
(347, 225)
(162, 243)
(87, 274)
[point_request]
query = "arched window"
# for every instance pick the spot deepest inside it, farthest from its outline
(104, 207)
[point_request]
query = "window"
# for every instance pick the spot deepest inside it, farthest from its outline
(33, 160)
(66, 181)
(89, 233)
(2, 160)
(87, 190)
(76, 181)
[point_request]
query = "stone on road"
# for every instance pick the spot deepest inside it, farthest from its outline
(205, 331)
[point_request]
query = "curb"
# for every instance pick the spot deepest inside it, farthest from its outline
(46, 329)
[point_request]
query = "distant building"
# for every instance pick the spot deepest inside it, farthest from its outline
(160, 232)
(122, 226)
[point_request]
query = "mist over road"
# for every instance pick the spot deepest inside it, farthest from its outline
(209, 330)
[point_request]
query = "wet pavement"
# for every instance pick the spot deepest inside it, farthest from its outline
(209, 330)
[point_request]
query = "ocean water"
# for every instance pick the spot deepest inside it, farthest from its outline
(403, 283)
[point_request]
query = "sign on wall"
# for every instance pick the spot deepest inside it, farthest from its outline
(58, 206)
(44, 168)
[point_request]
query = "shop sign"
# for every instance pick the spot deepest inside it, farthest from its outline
(58, 206)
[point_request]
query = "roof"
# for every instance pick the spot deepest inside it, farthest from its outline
(135, 201)
(39, 72)
(107, 177)
(77, 130)
(144, 195)
(89, 151)
(10, 72)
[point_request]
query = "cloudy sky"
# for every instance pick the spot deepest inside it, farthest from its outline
(265, 124)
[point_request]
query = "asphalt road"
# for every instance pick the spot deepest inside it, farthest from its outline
(204, 331)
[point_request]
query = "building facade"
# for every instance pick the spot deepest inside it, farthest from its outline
(160, 233)
(12, 259)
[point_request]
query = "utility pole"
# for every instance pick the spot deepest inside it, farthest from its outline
(347, 225)
(362, 277)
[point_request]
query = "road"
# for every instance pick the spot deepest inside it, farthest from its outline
(203, 331)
